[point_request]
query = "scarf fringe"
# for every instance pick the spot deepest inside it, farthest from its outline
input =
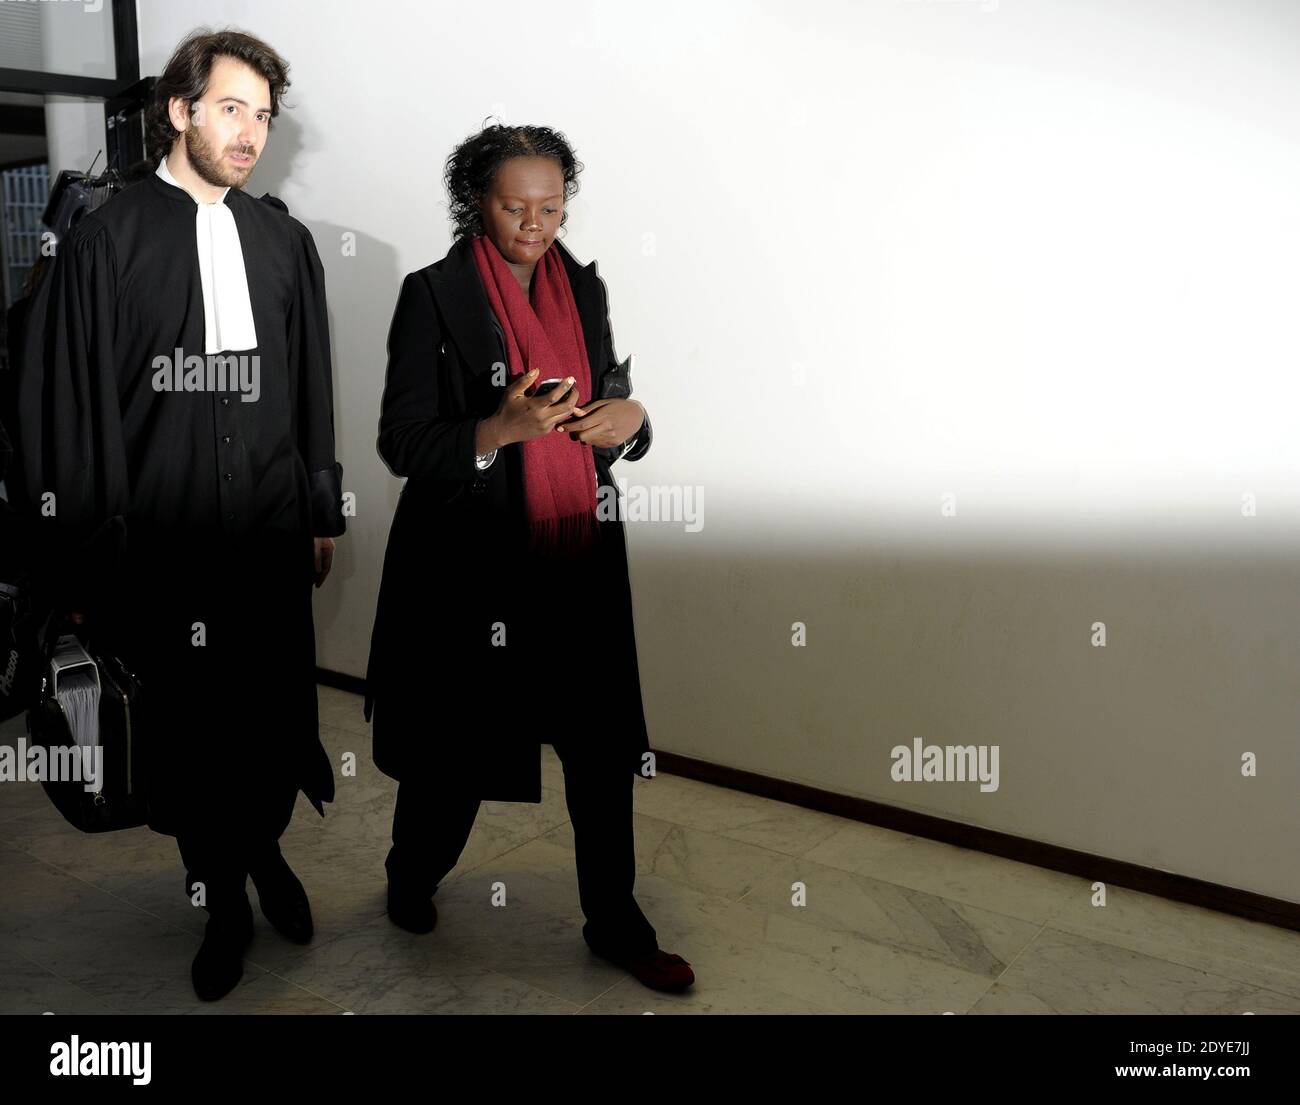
(566, 535)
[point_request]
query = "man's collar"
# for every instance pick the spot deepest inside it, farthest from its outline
(166, 174)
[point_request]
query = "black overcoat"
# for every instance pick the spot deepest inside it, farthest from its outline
(479, 655)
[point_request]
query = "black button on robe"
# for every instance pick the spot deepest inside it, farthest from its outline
(220, 496)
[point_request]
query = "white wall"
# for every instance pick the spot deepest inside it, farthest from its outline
(74, 132)
(1036, 256)
(68, 38)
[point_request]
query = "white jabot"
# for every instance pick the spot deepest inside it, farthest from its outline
(227, 310)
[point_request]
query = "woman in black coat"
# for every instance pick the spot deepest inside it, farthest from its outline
(505, 617)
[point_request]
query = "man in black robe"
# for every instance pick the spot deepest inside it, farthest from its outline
(176, 376)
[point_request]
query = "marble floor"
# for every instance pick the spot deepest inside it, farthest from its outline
(891, 923)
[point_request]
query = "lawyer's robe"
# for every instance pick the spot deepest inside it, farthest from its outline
(221, 495)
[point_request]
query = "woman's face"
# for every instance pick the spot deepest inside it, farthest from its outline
(523, 208)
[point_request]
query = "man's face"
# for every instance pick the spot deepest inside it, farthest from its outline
(523, 207)
(226, 129)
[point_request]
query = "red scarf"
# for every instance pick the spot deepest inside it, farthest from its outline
(559, 473)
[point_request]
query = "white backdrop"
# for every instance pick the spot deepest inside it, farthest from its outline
(974, 321)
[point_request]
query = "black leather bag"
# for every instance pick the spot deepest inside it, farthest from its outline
(120, 800)
(617, 384)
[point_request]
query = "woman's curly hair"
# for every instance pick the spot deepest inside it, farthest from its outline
(472, 165)
(188, 70)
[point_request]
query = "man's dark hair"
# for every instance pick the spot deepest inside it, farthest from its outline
(187, 73)
(472, 165)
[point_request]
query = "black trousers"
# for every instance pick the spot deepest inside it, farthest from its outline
(220, 852)
(432, 822)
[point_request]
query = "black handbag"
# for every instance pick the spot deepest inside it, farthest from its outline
(118, 798)
(617, 384)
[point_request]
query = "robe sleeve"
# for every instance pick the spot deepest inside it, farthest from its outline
(417, 436)
(309, 365)
(68, 431)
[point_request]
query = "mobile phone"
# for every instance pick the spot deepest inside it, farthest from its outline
(548, 385)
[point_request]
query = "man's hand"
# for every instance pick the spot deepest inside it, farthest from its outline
(324, 558)
(605, 423)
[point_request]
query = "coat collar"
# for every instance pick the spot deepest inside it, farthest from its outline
(468, 315)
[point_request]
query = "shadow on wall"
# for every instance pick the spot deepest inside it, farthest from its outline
(362, 282)
(1171, 747)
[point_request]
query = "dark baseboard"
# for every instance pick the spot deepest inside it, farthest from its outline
(1112, 872)
(340, 682)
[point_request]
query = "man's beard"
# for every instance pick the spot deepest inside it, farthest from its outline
(209, 166)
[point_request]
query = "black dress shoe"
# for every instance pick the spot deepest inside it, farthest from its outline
(282, 898)
(219, 964)
(412, 912)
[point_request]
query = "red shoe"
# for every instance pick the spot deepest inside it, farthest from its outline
(659, 969)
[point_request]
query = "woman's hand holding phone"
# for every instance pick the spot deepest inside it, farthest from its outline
(520, 416)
